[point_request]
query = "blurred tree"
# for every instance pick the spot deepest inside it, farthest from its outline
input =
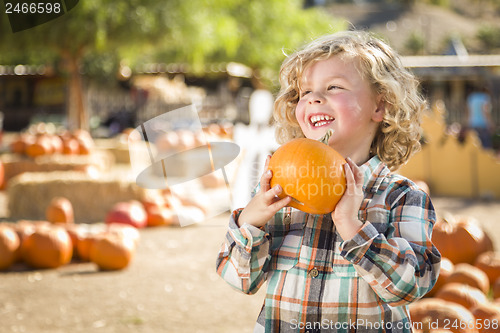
(489, 36)
(254, 33)
(195, 32)
(415, 43)
(91, 27)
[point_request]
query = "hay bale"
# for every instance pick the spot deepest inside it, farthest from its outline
(29, 194)
(117, 148)
(15, 164)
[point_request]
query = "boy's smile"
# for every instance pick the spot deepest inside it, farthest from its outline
(320, 120)
(333, 94)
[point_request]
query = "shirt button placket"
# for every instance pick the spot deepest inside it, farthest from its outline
(314, 273)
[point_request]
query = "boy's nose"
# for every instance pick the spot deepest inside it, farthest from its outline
(316, 98)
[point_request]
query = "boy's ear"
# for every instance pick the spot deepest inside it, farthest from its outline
(378, 114)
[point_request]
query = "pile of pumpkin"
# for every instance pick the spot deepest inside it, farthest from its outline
(110, 245)
(38, 141)
(183, 140)
(157, 208)
(56, 241)
(466, 297)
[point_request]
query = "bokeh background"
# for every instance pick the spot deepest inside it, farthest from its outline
(74, 90)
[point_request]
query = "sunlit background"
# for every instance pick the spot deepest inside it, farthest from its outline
(76, 91)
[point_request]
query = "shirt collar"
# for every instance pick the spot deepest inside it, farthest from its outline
(374, 171)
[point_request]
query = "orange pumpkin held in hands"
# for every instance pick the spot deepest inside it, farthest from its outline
(60, 210)
(311, 172)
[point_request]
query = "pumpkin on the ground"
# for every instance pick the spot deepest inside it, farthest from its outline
(24, 228)
(462, 294)
(447, 268)
(440, 312)
(491, 325)
(73, 230)
(60, 210)
(47, 247)
(9, 244)
(485, 311)
(83, 237)
(311, 172)
(161, 216)
(84, 244)
(460, 240)
(122, 230)
(130, 212)
(112, 252)
(83, 248)
(496, 289)
(153, 201)
(489, 262)
(470, 275)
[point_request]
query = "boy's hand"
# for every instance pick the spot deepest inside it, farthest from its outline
(345, 215)
(265, 203)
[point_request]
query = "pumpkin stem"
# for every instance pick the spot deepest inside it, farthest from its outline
(326, 137)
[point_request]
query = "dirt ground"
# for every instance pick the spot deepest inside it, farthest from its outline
(171, 286)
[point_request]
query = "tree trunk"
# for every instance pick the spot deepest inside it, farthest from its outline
(77, 115)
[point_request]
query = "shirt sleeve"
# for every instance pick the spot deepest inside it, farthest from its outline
(401, 264)
(244, 256)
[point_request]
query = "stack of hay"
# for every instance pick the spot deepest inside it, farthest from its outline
(29, 194)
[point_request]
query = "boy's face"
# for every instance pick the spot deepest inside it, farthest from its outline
(334, 95)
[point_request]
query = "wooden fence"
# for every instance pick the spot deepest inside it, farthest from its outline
(452, 168)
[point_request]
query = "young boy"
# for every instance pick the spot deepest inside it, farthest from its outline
(358, 268)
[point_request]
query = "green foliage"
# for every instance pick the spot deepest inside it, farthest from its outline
(250, 32)
(441, 3)
(195, 32)
(489, 37)
(415, 43)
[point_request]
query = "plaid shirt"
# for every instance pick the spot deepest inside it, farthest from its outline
(319, 282)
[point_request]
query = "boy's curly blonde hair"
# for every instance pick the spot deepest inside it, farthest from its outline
(399, 133)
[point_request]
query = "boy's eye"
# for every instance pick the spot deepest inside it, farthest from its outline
(302, 94)
(332, 87)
